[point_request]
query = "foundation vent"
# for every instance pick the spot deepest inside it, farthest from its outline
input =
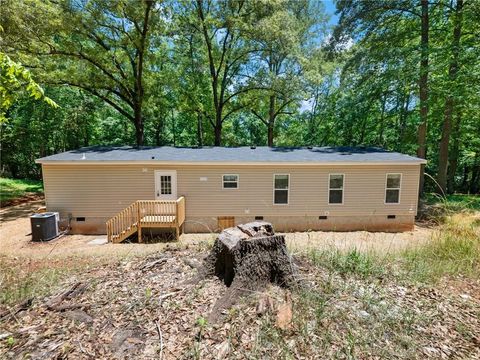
(225, 222)
(391, 216)
(322, 217)
(258, 217)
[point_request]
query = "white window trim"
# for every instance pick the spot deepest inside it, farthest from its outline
(288, 190)
(399, 189)
(343, 189)
(238, 182)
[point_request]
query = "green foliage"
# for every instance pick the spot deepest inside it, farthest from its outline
(13, 188)
(15, 81)
(201, 322)
(248, 72)
(352, 262)
(36, 129)
(454, 250)
(455, 202)
(11, 341)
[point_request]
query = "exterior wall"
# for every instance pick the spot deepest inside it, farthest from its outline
(97, 192)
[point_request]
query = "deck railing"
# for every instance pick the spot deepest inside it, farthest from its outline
(125, 220)
(157, 207)
(181, 210)
(146, 213)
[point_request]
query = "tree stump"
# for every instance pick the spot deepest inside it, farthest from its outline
(247, 257)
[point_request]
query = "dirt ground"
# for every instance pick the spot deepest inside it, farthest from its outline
(15, 240)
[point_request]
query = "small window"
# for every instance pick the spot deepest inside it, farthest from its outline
(230, 181)
(166, 184)
(281, 184)
(392, 188)
(335, 188)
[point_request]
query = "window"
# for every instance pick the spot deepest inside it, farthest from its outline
(335, 188)
(165, 184)
(230, 181)
(392, 188)
(280, 189)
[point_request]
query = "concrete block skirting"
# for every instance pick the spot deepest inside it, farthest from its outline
(381, 223)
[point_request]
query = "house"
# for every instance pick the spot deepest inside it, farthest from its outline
(109, 189)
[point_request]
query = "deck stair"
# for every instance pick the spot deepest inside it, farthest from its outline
(146, 214)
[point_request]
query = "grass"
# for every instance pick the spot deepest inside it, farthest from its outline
(29, 278)
(453, 251)
(342, 318)
(352, 262)
(371, 305)
(454, 203)
(14, 188)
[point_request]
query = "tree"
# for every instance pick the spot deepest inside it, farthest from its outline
(36, 129)
(281, 31)
(450, 98)
(423, 89)
(192, 78)
(220, 24)
(102, 46)
(15, 81)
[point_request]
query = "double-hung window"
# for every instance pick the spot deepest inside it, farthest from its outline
(230, 181)
(392, 188)
(335, 188)
(281, 184)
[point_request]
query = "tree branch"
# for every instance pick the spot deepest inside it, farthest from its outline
(99, 95)
(259, 117)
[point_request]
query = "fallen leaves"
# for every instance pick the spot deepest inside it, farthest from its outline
(145, 308)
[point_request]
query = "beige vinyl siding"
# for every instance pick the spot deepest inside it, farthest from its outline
(103, 190)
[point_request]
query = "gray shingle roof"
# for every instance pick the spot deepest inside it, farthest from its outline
(244, 154)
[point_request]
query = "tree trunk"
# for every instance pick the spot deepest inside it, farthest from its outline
(453, 159)
(450, 101)
(423, 89)
(174, 130)
(382, 121)
(139, 128)
(465, 178)
(159, 132)
(475, 179)
(139, 89)
(247, 257)
(271, 121)
(199, 130)
(218, 133)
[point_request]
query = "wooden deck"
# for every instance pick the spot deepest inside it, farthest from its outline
(147, 214)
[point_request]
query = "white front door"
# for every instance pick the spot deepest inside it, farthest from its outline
(166, 185)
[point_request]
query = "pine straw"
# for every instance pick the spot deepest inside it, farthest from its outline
(126, 305)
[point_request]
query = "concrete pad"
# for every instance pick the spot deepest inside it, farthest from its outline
(98, 241)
